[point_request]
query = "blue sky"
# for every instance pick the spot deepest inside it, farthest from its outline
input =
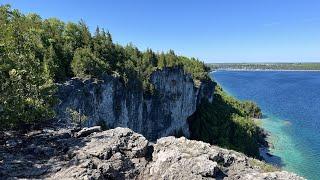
(212, 30)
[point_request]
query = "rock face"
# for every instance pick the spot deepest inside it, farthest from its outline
(123, 154)
(113, 154)
(187, 159)
(108, 101)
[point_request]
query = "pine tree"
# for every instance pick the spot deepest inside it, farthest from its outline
(85, 63)
(162, 62)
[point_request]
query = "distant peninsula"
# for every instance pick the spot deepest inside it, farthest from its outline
(265, 66)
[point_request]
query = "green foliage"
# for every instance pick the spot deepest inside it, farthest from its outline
(26, 90)
(85, 63)
(243, 108)
(227, 122)
(77, 117)
(195, 67)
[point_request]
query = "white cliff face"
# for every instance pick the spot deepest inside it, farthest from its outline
(179, 96)
(109, 101)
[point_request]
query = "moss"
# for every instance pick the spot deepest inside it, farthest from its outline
(263, 166)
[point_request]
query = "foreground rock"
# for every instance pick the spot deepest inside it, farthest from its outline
(86, 131)
(113, 154)
(122, 154)
(186, 159)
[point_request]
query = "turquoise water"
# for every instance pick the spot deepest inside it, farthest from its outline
(290, 102)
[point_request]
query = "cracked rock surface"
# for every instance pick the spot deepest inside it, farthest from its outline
(121, 153)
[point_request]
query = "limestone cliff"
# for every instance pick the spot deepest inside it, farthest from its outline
(107, 100)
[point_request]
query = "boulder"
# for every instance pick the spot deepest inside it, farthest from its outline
(114, 154)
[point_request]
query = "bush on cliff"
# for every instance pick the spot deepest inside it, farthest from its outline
(227, 122)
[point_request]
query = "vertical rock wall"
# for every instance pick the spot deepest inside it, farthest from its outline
(109, 101)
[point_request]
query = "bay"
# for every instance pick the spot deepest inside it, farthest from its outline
(290, 102)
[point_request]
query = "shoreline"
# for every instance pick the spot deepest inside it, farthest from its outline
(266, 146)
(269, 70)
(265, 149)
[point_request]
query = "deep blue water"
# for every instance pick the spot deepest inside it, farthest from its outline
(290, 102)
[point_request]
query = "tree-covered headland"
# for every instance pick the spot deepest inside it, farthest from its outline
(266, 66)
(37, 53)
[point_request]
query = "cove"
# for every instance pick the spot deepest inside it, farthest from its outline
(290, 102)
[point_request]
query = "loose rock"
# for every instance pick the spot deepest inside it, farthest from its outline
(87, 131)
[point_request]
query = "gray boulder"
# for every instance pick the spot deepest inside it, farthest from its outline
(115, 154)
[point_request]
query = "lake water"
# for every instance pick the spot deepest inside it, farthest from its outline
(290, 102)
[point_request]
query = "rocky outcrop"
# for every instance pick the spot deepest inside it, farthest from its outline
(179, 158)
(107, 101)
(113, 154)
(123, 154)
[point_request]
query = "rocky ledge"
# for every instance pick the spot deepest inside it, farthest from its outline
(121, 153)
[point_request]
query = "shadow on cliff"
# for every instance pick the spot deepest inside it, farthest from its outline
(270, 158)
(222, 123)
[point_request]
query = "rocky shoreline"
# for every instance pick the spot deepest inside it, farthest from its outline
(265, 146)
(120, 153)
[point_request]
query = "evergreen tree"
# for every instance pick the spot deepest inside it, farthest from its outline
(26, 94)
(85, 63)
(162, 62)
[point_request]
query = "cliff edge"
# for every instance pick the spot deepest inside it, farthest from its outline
(121, 153)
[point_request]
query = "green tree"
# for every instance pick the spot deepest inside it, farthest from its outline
(52, 64)
(26, 94)
(162, 61)
(55, 54)
(85, 64)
